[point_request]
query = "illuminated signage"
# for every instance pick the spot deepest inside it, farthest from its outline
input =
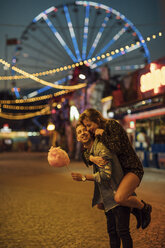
(153, 79)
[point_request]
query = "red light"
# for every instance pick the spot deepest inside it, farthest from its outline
(5, 125)
(53, 111)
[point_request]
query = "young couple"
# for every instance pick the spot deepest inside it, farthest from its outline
(117, 172)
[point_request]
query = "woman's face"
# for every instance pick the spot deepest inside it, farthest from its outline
(90, 125)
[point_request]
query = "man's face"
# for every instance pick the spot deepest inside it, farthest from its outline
(82, 134)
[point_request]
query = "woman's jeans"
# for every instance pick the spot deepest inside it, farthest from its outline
(118, 227)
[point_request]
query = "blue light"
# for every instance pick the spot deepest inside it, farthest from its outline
(35, 120)
(147, 54)
(115, 38)
(71, 30)
(60, 39)
(96, 41)
(47, 87)
(117, 13)
(85, 36)
(16, 92)
(110, 58)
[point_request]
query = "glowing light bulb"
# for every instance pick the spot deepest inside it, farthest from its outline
(51, 127)
(82, 76)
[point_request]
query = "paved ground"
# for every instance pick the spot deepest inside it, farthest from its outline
(43, 207)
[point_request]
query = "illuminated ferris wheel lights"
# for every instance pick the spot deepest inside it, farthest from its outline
(87, 4)
(112, 53)
(143, 41)
(89, 60)
(148, 38)
(81, 63)
(154, 36)
(160, 33)
(121, 49)
(127, 47)
(134, 34)
(14, 60)
(117, 51)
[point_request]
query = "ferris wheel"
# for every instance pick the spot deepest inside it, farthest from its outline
(79, 31)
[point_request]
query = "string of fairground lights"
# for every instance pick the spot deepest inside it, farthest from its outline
(9, 106)
(68, 67)
(41, 81)
(44, 111)
(13, 107)
(35, 99)
(30, 115)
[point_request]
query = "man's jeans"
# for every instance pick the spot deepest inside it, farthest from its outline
(118, 227)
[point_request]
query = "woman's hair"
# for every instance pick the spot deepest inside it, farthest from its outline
(79, 123)
(93, 115)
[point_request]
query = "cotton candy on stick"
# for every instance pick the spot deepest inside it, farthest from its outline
(58, 157)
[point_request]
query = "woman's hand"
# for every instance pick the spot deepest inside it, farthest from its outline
(97, 160)
(76, 176)
(99, 131)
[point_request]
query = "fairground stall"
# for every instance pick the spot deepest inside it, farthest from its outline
(139, 104)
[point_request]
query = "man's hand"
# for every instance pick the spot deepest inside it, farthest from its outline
(97, 160)
(76, 176)
(99, 131)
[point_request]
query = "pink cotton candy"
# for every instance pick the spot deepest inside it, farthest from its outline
(58, 157)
